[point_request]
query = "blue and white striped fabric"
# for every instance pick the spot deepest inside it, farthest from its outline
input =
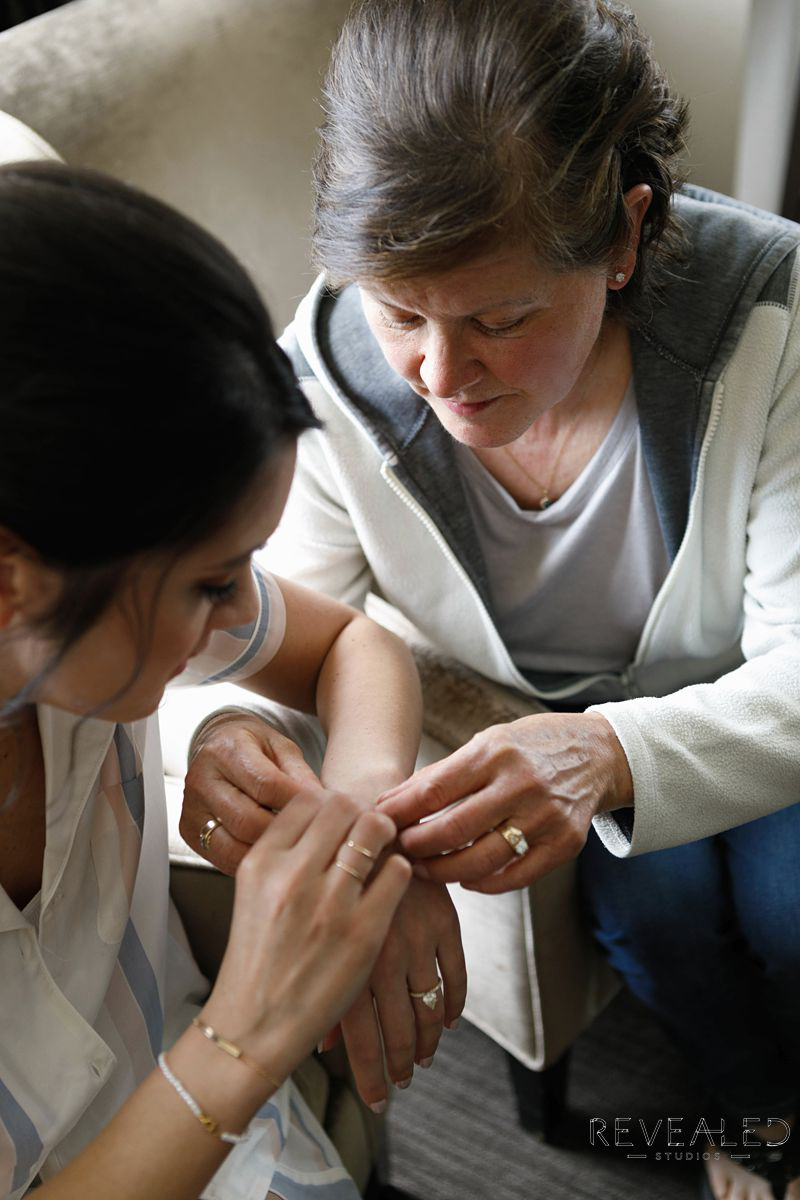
(96, 976)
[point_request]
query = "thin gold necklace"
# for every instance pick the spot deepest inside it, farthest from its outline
(546, 489)
(545, 500)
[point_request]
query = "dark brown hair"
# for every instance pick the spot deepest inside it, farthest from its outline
(141, 390)
(453, 124)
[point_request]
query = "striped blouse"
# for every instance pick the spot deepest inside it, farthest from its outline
(96, 976)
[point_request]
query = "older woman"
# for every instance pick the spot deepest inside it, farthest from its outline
(561, 413)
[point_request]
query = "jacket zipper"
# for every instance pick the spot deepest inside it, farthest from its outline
(663, 596)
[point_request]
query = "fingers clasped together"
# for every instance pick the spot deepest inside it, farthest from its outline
(537, 782)
(242, 773)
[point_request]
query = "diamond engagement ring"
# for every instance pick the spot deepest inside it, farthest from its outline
(430, 998)
(208, 829)
(515, 838)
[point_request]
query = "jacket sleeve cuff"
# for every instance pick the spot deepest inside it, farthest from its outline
(629, 831)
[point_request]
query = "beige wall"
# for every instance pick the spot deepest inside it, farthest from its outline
(737, 63)
(772, 76)
(701, 45)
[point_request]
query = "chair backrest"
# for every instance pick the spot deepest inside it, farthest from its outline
(213, 104)
(210, 104)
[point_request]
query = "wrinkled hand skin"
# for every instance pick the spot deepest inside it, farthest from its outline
(548, 775)
(424, 941)
(242, 769)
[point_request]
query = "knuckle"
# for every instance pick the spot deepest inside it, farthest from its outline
(370, 1059)
(433, 795)
(345, 805)
(263, 789)
(430, 1023)
(458, 830)
(503, 745)
(377, 825)
(236, 824)
(220, 743)
(401, 1050)
(195, 773)
(391, 961)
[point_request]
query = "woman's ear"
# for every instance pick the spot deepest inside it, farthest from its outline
(637, 200)
(24, 585)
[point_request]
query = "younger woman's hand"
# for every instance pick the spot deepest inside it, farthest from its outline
(388, 1030)
(305, 932)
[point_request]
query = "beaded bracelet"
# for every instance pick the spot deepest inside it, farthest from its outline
(232, 1049)
(208, 1123)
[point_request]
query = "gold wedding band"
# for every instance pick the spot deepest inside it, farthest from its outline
(351, 845)
(211, 825)
(343, 866)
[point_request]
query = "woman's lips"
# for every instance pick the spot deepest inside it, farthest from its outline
(469, 410)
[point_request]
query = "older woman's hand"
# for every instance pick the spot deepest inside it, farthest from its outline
(545, 776)
(242, 772)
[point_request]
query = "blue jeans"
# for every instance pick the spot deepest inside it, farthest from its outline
(707, 936)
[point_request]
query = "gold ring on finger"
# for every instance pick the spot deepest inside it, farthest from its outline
(210, 827)
(514, 837)
(343, 866)
(351, 845)
(430, 998)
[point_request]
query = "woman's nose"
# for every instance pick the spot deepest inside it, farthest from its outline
(447, 367)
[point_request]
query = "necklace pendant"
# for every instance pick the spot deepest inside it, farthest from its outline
(545, 502)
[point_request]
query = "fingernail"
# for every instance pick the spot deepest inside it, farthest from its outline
(404, 1083)
(378, 1107)
(421, 872)
(452, 1024)
(426, 1062)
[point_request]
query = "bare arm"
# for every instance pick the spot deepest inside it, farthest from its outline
(362, 682)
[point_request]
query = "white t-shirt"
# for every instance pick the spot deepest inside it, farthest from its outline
(572, 585)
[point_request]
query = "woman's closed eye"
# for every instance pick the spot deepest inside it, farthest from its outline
(499, 330)
(405, 323)
(400, 322)
(218, 593)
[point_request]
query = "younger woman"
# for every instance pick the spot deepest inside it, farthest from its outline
(148, 433)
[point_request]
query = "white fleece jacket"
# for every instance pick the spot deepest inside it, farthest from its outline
(704, 756)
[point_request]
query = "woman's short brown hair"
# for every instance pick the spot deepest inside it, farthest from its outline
(453, 124)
